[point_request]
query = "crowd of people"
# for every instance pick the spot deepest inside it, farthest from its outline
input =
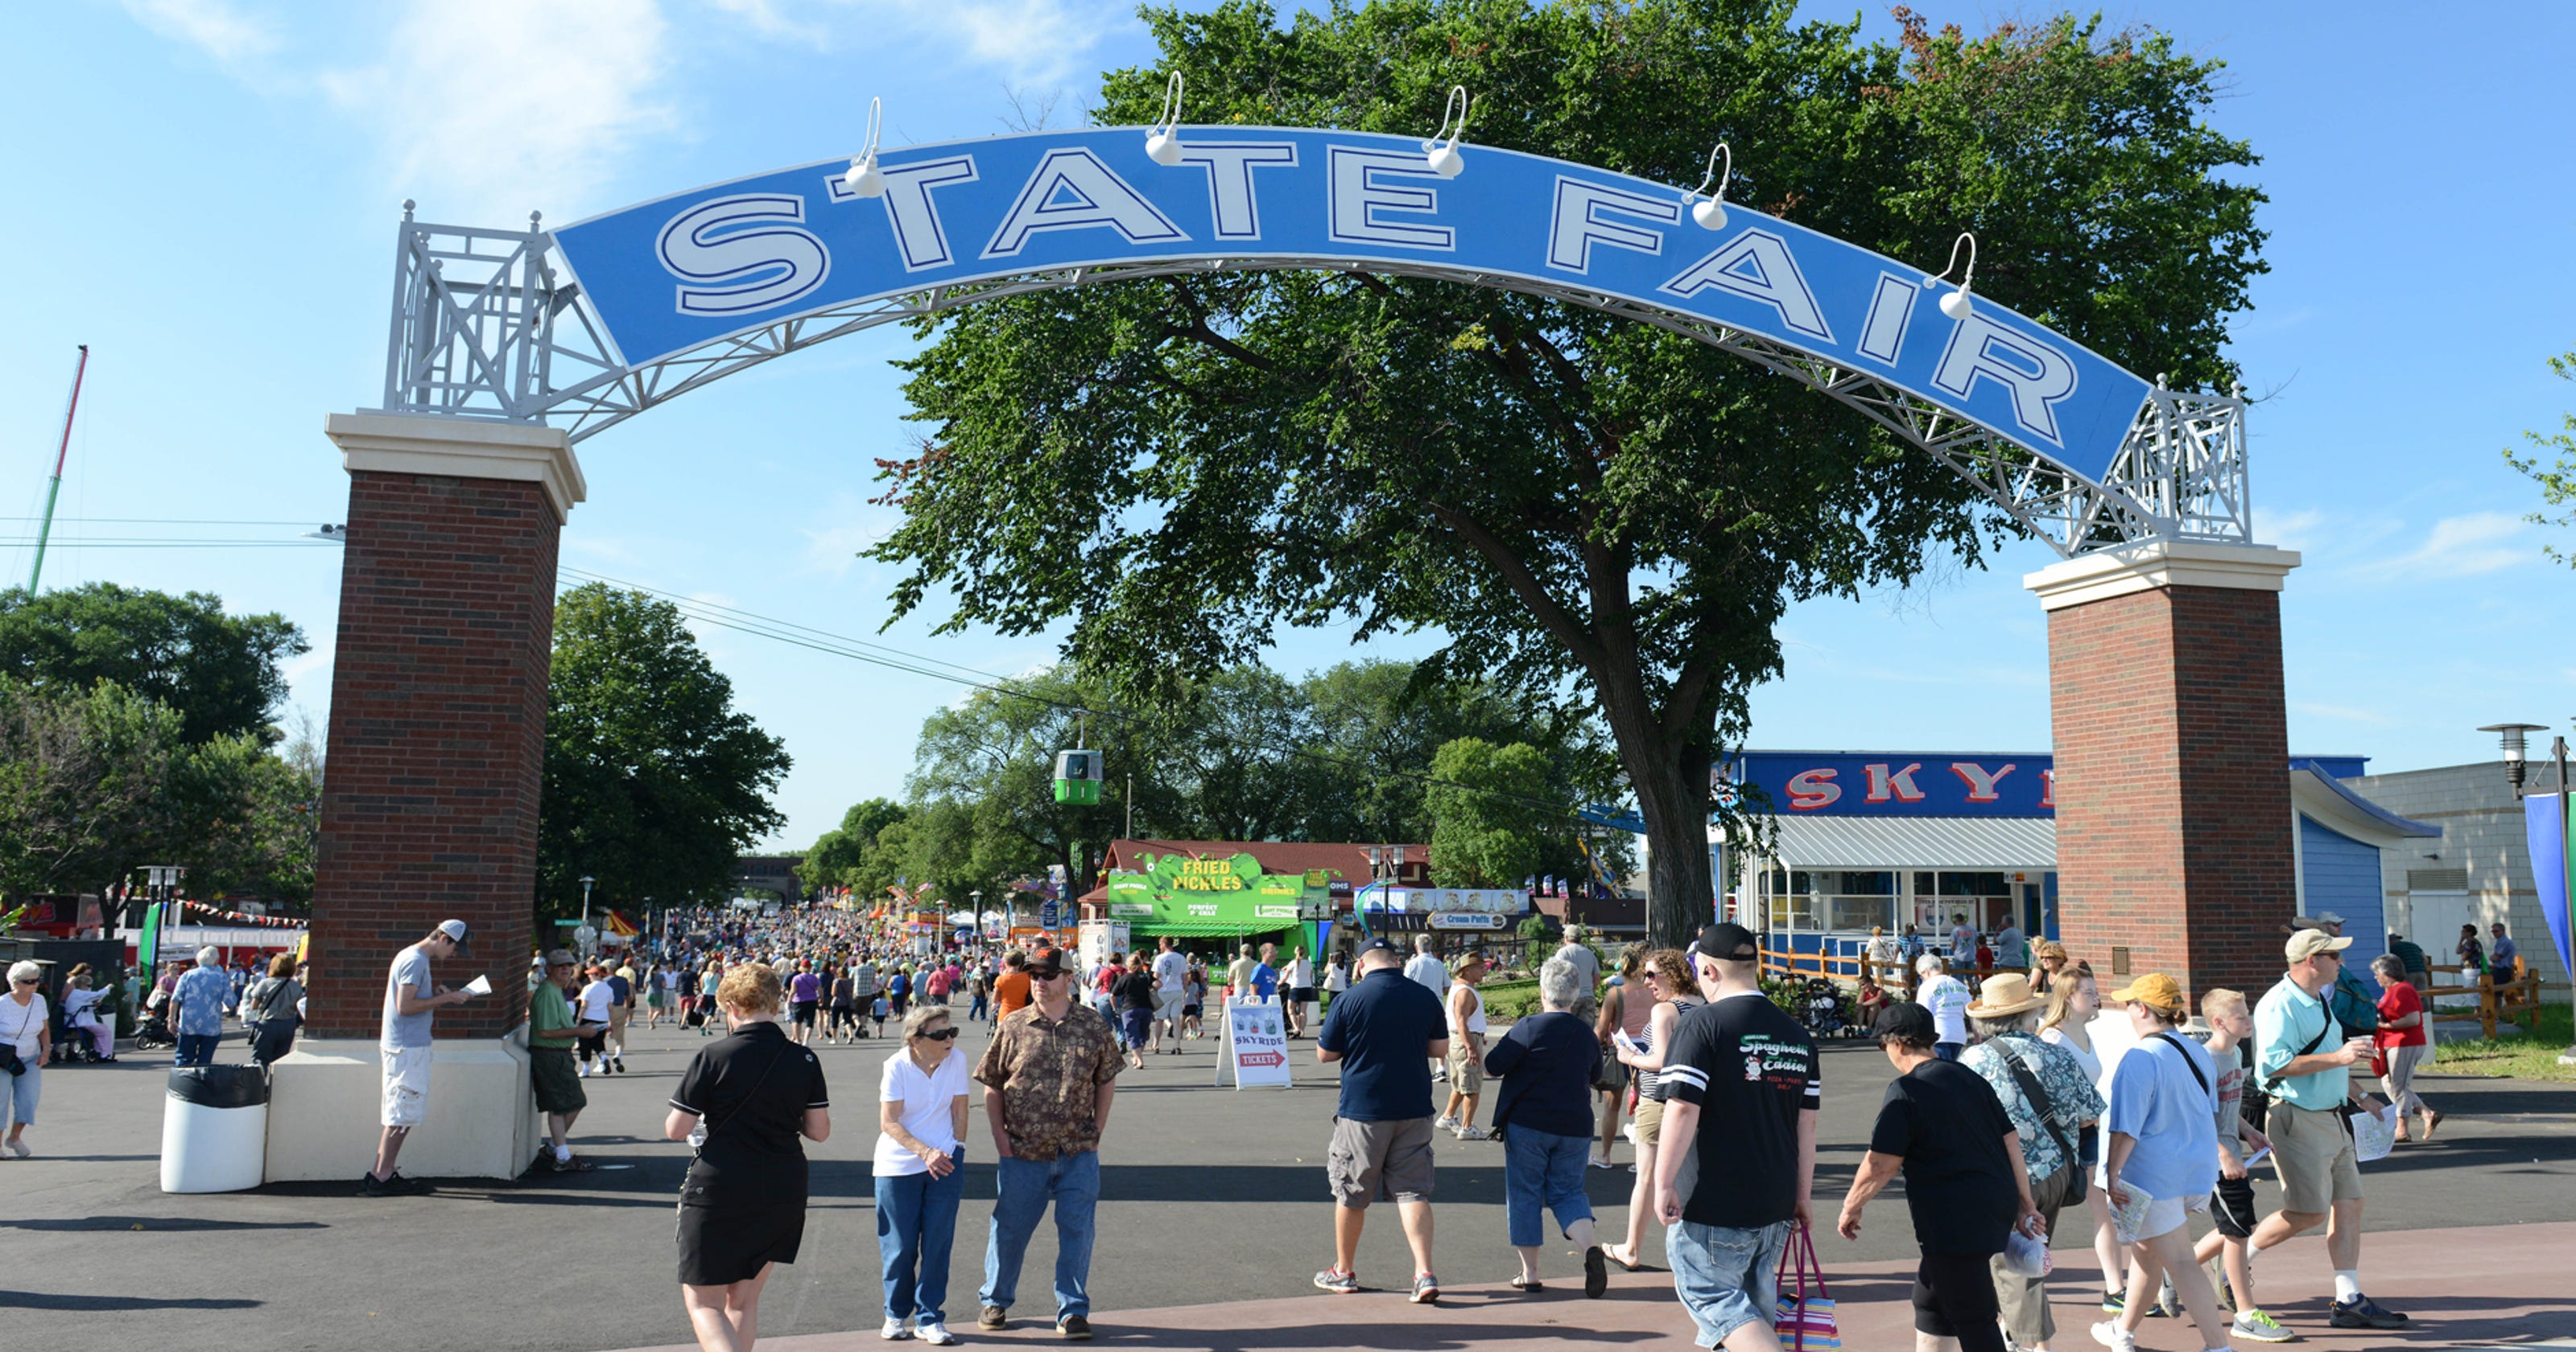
(2033, 1099)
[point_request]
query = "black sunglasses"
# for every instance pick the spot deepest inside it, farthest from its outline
(938, 1035)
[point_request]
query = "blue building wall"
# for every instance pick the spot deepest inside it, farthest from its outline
(2342, 875)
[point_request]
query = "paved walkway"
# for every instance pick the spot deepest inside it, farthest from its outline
(2469, 1290)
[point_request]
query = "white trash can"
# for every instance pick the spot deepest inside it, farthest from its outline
(214, 1129)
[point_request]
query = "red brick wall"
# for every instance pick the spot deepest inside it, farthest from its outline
(2173, 786)
(438, 716)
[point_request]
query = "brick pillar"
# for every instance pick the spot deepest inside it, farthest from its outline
(2173, 786)
(438, 710)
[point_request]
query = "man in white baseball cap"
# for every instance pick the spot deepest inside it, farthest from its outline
(404, 1047)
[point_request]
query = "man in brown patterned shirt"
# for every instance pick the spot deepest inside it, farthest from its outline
(1049, 1075)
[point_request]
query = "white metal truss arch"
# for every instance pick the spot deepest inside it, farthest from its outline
(484, 328)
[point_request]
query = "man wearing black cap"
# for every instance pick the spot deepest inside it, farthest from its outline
(1965, 1180)
(1741, 1092)
(1385, 1031)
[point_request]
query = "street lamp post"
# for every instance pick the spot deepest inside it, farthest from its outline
(586, 881)
(2514, 739)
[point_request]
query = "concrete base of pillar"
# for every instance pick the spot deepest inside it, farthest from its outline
(326, 1096)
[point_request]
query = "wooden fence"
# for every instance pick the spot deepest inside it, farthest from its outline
(2515, 1001)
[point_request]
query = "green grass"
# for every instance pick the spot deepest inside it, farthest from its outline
(2514, 1054)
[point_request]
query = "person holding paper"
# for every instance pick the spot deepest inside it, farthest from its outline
(2304, 1058)
(2160, 1159)
(404, 1046)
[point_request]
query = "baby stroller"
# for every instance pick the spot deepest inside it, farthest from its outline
(1826, 1010)
(154, 1032)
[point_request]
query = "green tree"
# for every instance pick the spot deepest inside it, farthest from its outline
(2557, 479)
(85, 785)
(984, 778)
(1487, 825)
(247, 820)
(1571, 499)
(220, 672)
(654, 782)
(839, 856)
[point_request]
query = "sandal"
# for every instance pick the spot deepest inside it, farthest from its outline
(1616, 1255)
(2431, 1122)
(1518, 1285)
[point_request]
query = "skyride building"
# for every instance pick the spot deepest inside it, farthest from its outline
(1864, 839)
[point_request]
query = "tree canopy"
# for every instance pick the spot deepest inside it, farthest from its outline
(1574, 502)
(654, 783)
(219, 672)
(2557, 479)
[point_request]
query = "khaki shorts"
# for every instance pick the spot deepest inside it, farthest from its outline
(1466, 1069)
(2315, 1154)
(406, 1086)
(1650, 1120)
(1373, 1161)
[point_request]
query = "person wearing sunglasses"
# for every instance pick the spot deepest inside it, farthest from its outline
(1050, 1075)
(25, 1047)
(921, 1132)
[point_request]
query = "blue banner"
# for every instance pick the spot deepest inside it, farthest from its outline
(680, 272)
(2544, 819)
(1900, 784)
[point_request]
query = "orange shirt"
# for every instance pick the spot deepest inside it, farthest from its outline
(1010, 992)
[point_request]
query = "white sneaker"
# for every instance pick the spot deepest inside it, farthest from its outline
(2108, 1333)
(894, 1331)
(1446, 1124)
(936, 1334)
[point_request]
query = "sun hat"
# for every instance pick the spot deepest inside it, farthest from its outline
(2005, 993)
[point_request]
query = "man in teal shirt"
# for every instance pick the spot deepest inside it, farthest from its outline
(2304, 1059)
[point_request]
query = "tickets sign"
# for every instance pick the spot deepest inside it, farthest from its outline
(1256, 1046)
(695, 268)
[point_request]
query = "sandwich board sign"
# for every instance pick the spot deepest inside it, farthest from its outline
(1255, 1047)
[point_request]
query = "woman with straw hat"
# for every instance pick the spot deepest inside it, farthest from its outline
(2048, 1096)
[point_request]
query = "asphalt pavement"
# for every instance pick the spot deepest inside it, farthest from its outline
(1210, 1196)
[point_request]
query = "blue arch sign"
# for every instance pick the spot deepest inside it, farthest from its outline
(680, 272)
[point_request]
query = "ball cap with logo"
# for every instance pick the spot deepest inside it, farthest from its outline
(2307, 943)
(454, 929)
(1047, 962)
(2154, 990)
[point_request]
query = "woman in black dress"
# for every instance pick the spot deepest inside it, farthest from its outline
(743, 1103)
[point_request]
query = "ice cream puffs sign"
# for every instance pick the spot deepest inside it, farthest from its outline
(684, 271)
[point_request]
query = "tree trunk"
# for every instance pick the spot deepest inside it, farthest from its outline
(1673, 799)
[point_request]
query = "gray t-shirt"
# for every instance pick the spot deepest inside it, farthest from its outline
(411, 968)
(1586, 963)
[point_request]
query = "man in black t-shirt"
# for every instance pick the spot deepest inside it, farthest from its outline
(1741, 1089)
(1965, 1180)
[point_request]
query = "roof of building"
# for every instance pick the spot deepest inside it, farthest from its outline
(1350, 859)
(1878, 843)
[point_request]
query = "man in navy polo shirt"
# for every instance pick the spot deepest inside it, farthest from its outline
(1385, 1030)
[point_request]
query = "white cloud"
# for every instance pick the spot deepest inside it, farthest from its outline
(215, 27)
(489, 108)
(1031, 41)
(2465, 546)
(2288, 530)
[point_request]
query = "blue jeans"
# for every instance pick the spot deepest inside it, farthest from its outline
(916, 1228)
(1726, 1277)
(197, 1049)
(1023, 1188)
(24, 1089)
(1543, 1169)
(1948, 1051)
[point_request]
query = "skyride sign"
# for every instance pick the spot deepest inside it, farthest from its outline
(684, 271)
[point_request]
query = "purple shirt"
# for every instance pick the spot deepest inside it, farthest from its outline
(806, 987)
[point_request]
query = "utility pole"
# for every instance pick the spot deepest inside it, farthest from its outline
(54, 489)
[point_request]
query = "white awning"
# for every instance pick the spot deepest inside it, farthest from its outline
(1985, 844)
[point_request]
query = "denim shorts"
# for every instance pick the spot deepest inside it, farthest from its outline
(1726, 1277)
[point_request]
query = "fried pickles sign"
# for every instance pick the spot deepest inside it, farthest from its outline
(684, 271)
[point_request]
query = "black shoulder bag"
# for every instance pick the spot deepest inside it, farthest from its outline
(698, 1147)
(2040, 1106)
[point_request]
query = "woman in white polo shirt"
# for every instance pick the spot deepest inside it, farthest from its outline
(921, 1116)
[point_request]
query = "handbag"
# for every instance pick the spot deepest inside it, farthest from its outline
(10, 1063)
(1805, 1318)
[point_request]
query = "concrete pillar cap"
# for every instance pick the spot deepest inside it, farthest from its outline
(462, 448)
(2160, 563)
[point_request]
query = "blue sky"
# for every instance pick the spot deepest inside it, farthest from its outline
(208, 190)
